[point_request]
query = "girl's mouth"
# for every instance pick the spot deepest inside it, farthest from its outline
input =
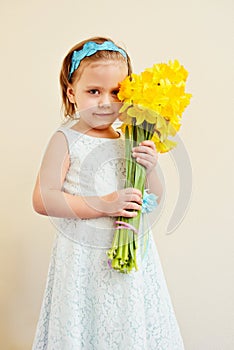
(104, 114)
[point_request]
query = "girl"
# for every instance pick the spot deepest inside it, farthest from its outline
(88, 305)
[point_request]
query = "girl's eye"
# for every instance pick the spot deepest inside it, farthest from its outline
(93, 92)
(115, 92)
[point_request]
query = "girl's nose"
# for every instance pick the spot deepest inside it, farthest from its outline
(105, 101)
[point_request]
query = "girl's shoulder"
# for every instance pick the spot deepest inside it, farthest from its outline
(69, 133)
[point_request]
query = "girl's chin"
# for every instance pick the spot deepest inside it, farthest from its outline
(102, 126)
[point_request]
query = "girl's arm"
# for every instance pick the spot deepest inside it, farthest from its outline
(147, 156)
(49, 198)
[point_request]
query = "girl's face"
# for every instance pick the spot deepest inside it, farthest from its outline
(95, 93)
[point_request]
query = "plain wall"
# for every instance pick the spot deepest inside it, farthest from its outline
(198, 257)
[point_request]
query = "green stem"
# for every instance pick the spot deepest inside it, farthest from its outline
(125, 242)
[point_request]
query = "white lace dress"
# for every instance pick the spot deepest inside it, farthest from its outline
(87, 305)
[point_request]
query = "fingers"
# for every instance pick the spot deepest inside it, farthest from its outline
(146, 163)
(151, 150)
(133, 198)
(126, 202)
(132, 206)
(128, 214)
(132, 202)
(146, 154)
(131, 190)
(148, 143)
(132, 195)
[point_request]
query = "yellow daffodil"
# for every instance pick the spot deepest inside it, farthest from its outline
(164, 146)
(156, 96)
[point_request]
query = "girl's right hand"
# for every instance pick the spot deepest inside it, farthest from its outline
(124, 202)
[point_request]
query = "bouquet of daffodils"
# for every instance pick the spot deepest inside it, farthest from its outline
(153, 103)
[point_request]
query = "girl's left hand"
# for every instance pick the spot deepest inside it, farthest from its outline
(146, 155)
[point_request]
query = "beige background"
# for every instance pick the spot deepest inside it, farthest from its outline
(198, 258)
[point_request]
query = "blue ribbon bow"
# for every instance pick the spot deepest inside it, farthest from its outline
(149, 202)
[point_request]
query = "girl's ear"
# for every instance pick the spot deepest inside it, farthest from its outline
(71, 94)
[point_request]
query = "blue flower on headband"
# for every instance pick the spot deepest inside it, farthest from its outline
(89, 49)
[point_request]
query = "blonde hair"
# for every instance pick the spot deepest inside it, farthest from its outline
(68, 107)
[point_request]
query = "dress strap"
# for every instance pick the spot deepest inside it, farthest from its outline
(70, 135)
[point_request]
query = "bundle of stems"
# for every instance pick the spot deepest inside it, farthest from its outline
(123, 253)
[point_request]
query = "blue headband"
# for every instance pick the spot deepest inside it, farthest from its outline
(89, 49)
